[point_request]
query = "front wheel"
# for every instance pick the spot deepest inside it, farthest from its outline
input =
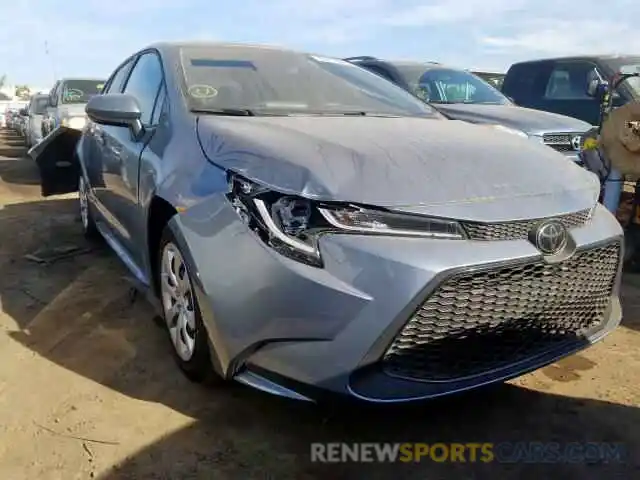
(181, 313)
(88, 224)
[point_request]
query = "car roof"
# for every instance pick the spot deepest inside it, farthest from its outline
(366, 58)
(432, 65)
(67, 79)
(174, 47)
(577, 58)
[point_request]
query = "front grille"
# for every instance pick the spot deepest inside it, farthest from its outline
(476, 322)
(520, 230)
(559, 141)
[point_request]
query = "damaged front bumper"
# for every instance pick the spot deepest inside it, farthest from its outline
(57, 160)
(296, 331)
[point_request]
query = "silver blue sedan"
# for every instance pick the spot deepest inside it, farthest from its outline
(306, 226)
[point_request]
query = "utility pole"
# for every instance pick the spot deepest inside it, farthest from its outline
(51, 59)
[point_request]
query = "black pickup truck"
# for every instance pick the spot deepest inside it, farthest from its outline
(560, 85)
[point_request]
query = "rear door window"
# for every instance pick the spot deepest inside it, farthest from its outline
(568, 81)
(525, 83)
(38, 105)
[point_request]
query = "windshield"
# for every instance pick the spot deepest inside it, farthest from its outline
(445, 85)
(38, 105)
(494, 79)
(270, 81)
(80, 91)
(632, 83)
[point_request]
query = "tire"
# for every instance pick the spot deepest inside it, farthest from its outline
(181, 313)
(89, 228)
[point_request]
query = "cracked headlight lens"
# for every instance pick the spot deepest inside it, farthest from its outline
(292, 225)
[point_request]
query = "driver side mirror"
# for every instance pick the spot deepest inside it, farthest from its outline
(596, 88)
(116, 109)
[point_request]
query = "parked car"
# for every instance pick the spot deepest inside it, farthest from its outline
(10, 115)
(22, 120)
(560, 85)
(37, 107)
(306, 226)
(495, 79)
(463, 96)
(67, 100)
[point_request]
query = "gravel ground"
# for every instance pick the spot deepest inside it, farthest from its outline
(88, 388)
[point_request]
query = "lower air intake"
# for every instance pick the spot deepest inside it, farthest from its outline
(477, 322)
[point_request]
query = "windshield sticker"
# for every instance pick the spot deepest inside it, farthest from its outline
(73, 94)
(100, 86)
(202, 91)
(205, 62)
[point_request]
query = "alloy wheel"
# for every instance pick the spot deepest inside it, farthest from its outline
(84, 203)
(178, 302)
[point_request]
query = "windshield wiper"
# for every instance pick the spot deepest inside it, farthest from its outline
(462, 102)
(344, 114)
(231, 112)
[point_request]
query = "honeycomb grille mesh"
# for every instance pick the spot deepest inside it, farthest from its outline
(478, 322)
(519, 230)
(554, 138)
(559, 141)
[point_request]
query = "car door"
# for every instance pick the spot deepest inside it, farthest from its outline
(93, 143)
(565, 91)
(48, 123)
(121, 152)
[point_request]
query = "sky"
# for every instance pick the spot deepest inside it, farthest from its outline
(91, 37)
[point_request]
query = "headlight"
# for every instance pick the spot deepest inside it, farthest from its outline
(292, 225)
(512, 131)
(76, 123)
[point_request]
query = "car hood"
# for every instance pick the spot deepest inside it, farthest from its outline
(526, 119)
(433, 167)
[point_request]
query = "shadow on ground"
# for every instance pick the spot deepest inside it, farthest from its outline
(44, 230)
(17, 169)
(631, 302)
(12, 144)
(252, 436)
(21, 171)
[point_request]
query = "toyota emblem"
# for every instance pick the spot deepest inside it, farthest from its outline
(550, 237)
(575, 142)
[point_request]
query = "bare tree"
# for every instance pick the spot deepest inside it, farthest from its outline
(23, 92)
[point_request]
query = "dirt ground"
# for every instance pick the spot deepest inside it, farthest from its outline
(88, 388)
